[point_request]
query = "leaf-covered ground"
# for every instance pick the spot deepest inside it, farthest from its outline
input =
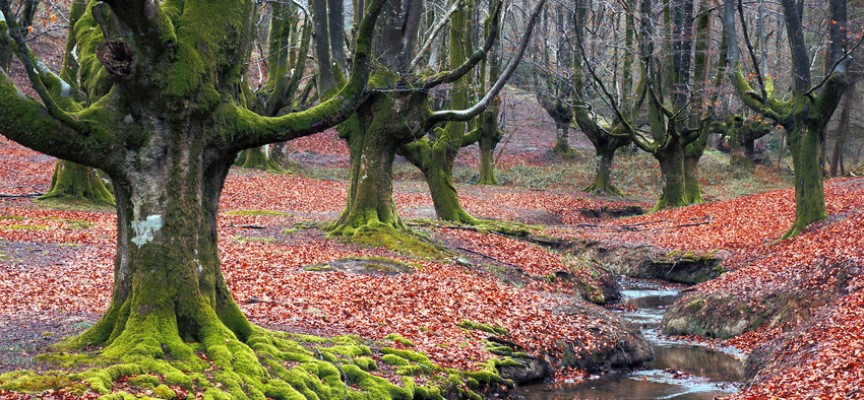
(56, 263)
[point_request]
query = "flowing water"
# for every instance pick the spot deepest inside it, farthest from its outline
(680, 370)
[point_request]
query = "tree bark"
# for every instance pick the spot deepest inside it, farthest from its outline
(562, 144)
(806, 147)
(490, 135)
(602, 184)
(259, 158)
(671, 161)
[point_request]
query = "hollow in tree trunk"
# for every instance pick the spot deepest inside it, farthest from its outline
(76, 182)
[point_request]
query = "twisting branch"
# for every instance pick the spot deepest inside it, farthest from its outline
(475, 110)
(254, 130)
(475, 58)
(752, 52)
(609, 99)
(846, 56)
(435, 30)
(11, 33)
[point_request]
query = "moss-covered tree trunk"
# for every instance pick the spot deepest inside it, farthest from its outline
(435, 157)
(806, 146)
(671, 160)
(370, 213)
(603, 159)
(692, 187)
(168, 286)
(562, 143)
(490, 135)
(259, 158)
(165, 118)
(76, 182)
(740, 158)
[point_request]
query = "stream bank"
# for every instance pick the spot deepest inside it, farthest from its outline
(680, 370)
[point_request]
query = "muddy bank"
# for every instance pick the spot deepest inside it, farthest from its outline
(725, 315)
(643, 261)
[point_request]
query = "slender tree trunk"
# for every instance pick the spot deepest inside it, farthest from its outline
(75, 182)
(326, 79)
(489, 138)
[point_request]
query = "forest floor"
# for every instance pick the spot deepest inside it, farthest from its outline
(56, 261)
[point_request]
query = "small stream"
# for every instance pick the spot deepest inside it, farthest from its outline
(680, 370)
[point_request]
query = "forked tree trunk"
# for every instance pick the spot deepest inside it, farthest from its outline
(77, 182)
(370, 209)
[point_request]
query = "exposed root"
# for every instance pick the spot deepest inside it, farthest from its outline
(269, 364)
(367, 229)
(603, 189)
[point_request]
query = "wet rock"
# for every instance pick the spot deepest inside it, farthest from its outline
(532, 370)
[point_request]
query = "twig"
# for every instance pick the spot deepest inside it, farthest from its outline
(21, 196)
(489, 257)
(251, 226)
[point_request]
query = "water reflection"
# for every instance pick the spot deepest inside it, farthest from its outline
(679, 371)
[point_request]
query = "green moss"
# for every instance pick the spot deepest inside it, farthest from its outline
(28, 381)
(164, 392)
(145, 381)
(471, 325)
(350, 351)
(254, 239)
(409, 355)
(399, 339)
(392, 359)
(22, 227)
(257, 213)
(375, 233)
(368, 364)
(410, 370)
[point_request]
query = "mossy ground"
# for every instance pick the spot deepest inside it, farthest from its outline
(271, 364)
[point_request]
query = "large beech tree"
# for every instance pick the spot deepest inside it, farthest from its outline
(397, 113)
(804, 112)
(165, 118)
(606, 137)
